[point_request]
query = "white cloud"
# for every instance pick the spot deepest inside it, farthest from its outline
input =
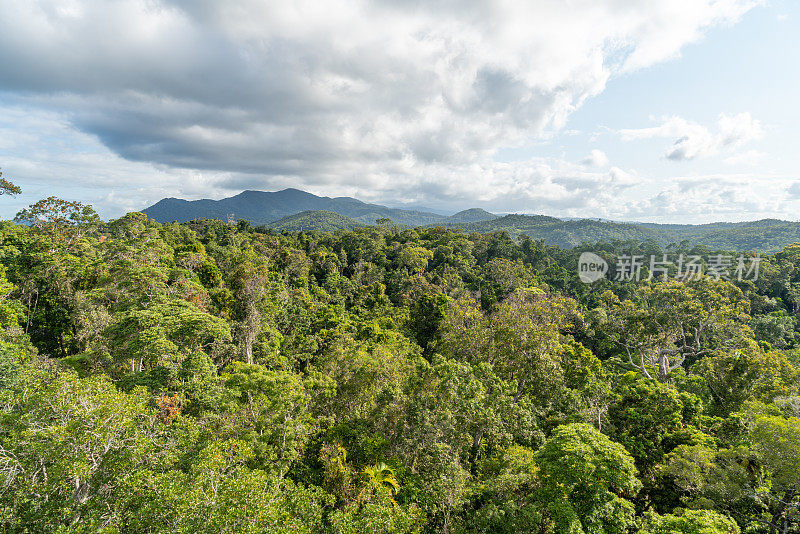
(736, 130)
(718, 197)
(124, 105)
(343, 96)
(622, 178)
(693, 140)
(670, 25)
(92, 173)
(746, 158)
(596, 158)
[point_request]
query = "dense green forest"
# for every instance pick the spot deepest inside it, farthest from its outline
(317, 221)
(208, 377)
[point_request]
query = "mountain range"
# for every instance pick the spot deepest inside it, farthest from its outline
(264, 208)
(295, 210)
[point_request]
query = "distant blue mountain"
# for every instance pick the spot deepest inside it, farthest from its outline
(292, 209)
(260, 207)
(263, 208)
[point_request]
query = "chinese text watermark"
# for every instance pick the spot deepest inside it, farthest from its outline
(684, 267)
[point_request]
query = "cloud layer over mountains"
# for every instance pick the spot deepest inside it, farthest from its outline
(380, 99)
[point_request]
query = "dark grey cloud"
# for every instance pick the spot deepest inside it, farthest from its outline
(378, 97)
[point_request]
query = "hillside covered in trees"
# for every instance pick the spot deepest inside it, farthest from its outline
(767, 235)
(207, 377)
(263, 207)
(295, 210)
(315, 221)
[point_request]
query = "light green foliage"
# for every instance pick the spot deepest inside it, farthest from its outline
(220, 493)
(758, 477)
(56, 216)
(691, 522)
(10, 309)
(455, 409)
(268, 409)
(527, 334)
(584, 373)
(670, 322)
(365, 501)
(381, 516)
(413, 258)
(733, 377)
(164, 333)
(66, 446)
(362, 374)
(586, 481)
(777, 328)
(14, 349)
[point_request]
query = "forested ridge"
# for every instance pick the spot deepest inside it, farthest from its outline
(295, 210)
(766, 235)
(210, 377)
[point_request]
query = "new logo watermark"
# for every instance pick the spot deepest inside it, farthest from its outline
(591, 267)
(629, 267)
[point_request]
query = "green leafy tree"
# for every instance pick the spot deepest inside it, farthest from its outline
(425, 317)
(250, 284)
(8, 188)
(528, 338)
(164, 334)
(66, 446)
(58, 217)
(586, 481)
(690, 522)
(269, 410)
(756, 479)
(506, 495)
(585, 374)
(220, 493)
(670, 322)
(734, 377)
(642, 415)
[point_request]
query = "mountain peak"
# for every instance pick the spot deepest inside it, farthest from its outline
(471, 215)
(264, 207)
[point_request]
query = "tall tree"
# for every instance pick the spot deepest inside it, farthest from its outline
(8, 188)
(586, 481)
(756, 479)
(671, 322)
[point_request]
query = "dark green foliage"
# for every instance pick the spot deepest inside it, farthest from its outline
(314, 221)
(215, 377)
(426, 316)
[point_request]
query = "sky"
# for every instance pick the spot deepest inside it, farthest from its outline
(679, 111)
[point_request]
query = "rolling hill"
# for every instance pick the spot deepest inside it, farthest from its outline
(766, 235)
(470, 216)
(261, 207)
(294, 210)
(315, 221)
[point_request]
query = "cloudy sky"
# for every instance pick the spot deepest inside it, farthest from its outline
(657, 110)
